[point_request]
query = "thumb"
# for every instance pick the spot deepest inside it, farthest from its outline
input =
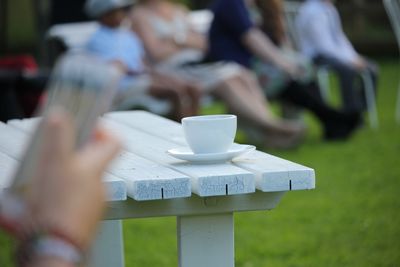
(99, 152)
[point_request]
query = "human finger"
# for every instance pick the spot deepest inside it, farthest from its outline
(58, 136)
(99, 152)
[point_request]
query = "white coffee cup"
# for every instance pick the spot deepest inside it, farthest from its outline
(210, 133)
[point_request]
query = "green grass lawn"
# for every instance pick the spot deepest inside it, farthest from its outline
(351, 219)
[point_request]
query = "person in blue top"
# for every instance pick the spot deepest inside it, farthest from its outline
(235, 36)
(118, 45)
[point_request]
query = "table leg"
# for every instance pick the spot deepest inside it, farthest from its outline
(206, 240)
(108, 249)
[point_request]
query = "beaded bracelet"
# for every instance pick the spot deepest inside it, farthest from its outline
(41, 245)
(35, 242)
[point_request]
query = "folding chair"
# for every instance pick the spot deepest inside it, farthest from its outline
(291, 9)
(393, 10)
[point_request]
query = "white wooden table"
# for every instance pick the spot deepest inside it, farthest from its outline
(144, 181)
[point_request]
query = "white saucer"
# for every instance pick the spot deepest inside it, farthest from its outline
(186, 153)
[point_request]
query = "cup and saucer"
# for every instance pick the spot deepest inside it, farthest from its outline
(210, 139)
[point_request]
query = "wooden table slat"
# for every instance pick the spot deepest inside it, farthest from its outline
(25, 125)
(13, 143)
(8, 167)
(147, 180)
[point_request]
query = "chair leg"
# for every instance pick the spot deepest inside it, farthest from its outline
(371, 101)
(398, 105)
(323, 82)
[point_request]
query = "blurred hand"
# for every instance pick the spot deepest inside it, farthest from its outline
(294, 70)
(121, 67)
(67, 194)
(360, 63)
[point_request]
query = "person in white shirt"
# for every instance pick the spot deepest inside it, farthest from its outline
(321, 38)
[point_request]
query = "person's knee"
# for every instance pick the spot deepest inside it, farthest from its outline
(227, 84)
(248, 75)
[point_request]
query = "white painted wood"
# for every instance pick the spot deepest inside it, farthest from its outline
(151, 124)
(13, 143)
(206, 180)
(115, 188)
(276, 174)
(206, 240)
(108, 248)
(8, 167)
(272, 173)
(193, 205)
(147, 180)
(74, 35)
(25, 125)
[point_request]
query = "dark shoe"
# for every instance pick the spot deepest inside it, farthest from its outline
(283, 142)
(341, 129)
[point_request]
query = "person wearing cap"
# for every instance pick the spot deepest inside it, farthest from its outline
(116, 44)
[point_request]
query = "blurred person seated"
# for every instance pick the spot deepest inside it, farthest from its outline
(54, 219)
(322, 38)
(174, 47)
(117, 45)
(235, 36)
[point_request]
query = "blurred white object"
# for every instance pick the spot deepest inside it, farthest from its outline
(393, 10)
(73, 35)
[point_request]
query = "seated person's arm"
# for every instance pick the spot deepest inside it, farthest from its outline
(194, 39)
(262, 47)
(238, 21)
(316, 28)
(356, 59)
(157, 49)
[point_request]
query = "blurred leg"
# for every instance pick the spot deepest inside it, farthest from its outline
(250, 82)
(336, 124)
(279, 133)
(352, 101)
